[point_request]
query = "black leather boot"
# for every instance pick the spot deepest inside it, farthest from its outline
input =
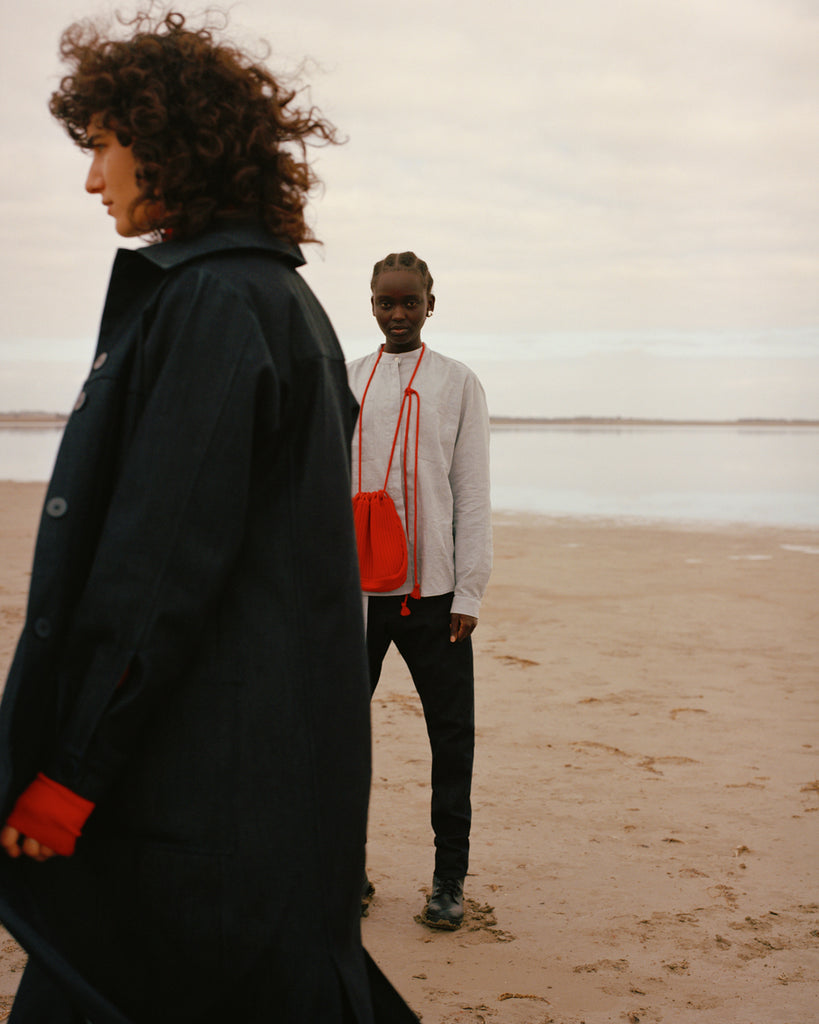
(445, 907)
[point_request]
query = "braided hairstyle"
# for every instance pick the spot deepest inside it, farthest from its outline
(403, 261)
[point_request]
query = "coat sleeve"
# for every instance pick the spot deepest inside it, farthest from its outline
(173, 527)
(469, 481)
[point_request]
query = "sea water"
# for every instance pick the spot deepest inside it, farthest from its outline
(668, 473)
(665, 472)
(763, 475)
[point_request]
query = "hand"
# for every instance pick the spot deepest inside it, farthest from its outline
(10, 840)
(461, 626)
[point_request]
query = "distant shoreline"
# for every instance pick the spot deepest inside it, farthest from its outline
(50, 420)
(635, 421)
(33, 420)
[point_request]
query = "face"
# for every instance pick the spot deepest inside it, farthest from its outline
(113, 175)
(400, 305)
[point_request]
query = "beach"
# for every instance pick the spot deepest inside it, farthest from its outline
(646, 793)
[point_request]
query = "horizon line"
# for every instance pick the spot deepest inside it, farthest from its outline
(37, 419)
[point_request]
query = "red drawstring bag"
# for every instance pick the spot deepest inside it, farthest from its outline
(382, 546)
(380, 536)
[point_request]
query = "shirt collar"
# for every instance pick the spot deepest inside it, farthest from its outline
(409, 357)
(224, 237)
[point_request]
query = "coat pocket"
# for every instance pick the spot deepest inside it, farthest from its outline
(179, 789)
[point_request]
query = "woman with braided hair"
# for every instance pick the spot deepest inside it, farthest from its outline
(184, 734)
(423, 436)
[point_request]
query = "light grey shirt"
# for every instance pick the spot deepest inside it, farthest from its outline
(454, 516)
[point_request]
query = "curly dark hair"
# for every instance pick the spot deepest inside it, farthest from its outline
(403, 261)
(214, 134)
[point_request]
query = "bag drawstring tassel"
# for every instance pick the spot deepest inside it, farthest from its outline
(415, 595)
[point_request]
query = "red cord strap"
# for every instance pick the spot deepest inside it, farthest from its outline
(409, 394)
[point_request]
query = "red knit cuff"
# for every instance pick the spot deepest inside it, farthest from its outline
(51, 814)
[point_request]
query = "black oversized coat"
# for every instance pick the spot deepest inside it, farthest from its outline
(192, 659)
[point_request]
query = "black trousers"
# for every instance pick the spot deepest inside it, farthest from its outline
(443, 676)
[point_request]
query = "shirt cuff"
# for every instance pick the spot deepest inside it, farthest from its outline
(462, 605)
(51, 814)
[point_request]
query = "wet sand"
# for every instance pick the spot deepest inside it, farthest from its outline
(646, 797)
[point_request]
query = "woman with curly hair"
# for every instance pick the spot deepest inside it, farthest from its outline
(184, 734)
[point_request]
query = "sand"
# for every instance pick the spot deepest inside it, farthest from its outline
(646, 796)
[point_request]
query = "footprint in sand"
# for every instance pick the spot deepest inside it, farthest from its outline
(602, 965)
(402, 702)
(480, 921)
(510, 659)
(687, 711)
(724, 892)
(650, 764)
(593, 745)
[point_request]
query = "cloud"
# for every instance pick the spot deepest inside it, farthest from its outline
(640, 164)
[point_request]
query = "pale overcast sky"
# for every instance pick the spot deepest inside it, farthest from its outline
(638, 164)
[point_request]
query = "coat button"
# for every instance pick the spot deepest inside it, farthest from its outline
(99, 362)
(81, 399)
(56, 507)
(42, 627)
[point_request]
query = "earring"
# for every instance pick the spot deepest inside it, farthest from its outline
(429, 312)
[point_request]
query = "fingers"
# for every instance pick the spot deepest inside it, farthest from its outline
(35, 850)
(461, 626)
(9, 840)
(14, 844)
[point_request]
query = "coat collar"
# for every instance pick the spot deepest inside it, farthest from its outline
(224, 237)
